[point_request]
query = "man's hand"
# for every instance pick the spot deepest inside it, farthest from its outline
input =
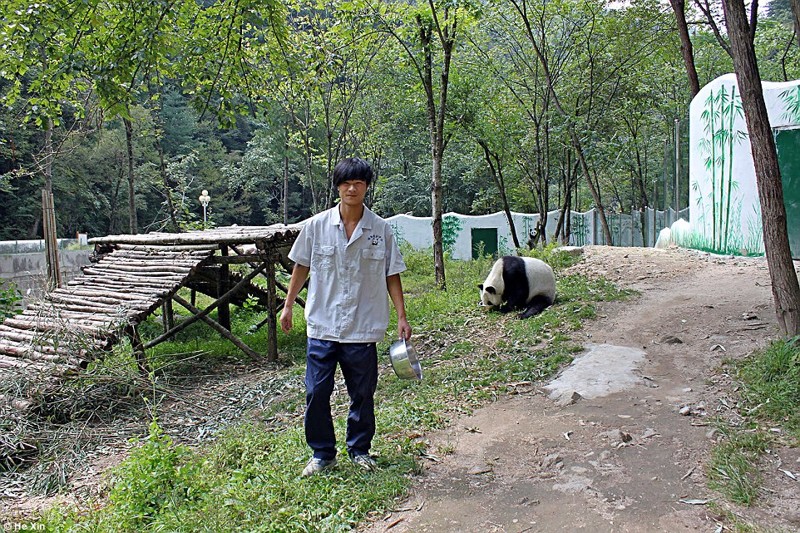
(286, 318)
(403, 329)
(299, 275)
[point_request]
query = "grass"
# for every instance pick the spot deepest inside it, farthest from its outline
(247, 479)
(769, 388)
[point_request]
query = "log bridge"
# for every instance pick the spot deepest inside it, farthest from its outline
(132, 276)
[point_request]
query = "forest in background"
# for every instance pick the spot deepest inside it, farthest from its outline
(127, 111)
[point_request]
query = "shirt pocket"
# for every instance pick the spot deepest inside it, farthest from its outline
(323, 258)
(373, 262)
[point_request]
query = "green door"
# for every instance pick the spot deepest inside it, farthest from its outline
(788, 144)
(484, 240)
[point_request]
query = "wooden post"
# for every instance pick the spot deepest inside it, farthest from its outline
(224, 311)
(272, 322)
(50, 240)
(138, 350)
(168, 315)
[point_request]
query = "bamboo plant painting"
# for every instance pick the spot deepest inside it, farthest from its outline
(718, 199)
(451, 228)
(791, 101)
(579, 230)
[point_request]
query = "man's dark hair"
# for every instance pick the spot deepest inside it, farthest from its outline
(352, 168)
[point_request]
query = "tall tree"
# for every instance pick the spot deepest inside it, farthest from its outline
(785, 287)
(428, 39)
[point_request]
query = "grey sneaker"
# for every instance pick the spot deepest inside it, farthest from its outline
(318, 465)
(365, 462)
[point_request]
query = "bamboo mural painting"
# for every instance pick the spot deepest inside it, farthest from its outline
(720, 137)
(725, 212)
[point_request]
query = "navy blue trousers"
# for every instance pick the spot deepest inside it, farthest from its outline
(359, 364)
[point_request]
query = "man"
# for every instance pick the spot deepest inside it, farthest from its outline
(354, 263)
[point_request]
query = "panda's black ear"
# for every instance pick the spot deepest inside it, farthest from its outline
(480, 286)
(491, 290)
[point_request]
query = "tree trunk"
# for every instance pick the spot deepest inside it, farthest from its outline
(436, 118)
(796, 19)
(679, 7)
(133, 223)
(785, 288)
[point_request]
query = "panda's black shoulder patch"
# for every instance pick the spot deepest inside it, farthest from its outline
(515, 279)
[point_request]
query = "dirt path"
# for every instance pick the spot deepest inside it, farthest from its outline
(622, 461)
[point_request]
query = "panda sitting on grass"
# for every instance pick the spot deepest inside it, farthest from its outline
(519, 284)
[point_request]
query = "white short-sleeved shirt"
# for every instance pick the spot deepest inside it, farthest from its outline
(347, 294)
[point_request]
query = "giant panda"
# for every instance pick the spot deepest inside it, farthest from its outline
(519, 283)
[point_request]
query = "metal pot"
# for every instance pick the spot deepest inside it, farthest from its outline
(404, 360)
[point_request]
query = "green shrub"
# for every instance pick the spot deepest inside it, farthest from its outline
(10, 299)
(155, 480)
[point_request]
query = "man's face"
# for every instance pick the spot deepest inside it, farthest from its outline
(352, 192)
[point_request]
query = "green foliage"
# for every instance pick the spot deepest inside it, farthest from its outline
(10, 299)
(771, 380)
(157, 477)
(200, 77)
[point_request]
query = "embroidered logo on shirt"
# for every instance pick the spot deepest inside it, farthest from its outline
(375, 240)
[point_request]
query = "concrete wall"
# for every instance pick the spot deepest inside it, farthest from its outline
(457, 229)
(28, 271)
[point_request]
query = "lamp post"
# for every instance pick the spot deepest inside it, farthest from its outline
(204, 200)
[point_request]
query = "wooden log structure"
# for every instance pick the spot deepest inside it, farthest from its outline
(134, 275)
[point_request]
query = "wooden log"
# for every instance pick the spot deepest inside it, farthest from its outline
(219, 328)
(162, 264)
(46, 325)
(238, 235)
(15, 362)
(106, 292)
(165, 252)
(38, 353)
(168, 314)
(81, 309)
(152, 261)
(144, 268)
(45, 338)
(97, 300)
(138, 350)
(50, 313)
(95, 307)
(142, 287)
(108, 275)
(132, 273)
(185, 249)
